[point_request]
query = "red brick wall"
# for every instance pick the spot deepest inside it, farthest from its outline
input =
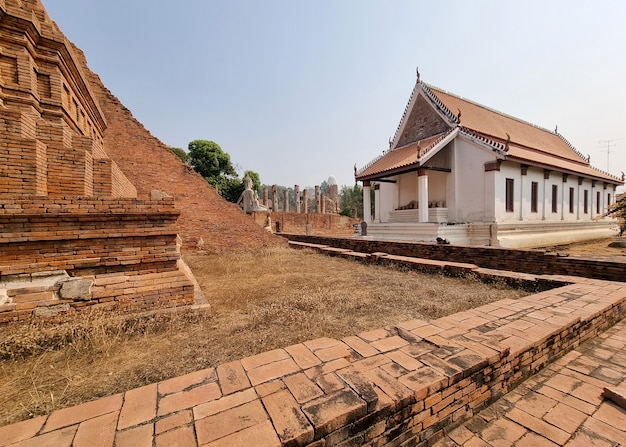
(127, 247)
(527, 261)
(320, 223)
(151, 165)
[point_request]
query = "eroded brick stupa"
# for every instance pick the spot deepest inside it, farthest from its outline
(75, 231)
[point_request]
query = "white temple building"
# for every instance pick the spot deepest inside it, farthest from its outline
(459, 171)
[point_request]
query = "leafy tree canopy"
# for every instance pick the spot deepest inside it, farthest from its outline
(210, 161)
(180, 153)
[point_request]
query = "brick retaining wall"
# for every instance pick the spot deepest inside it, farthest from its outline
(126, 248)
(519, 260)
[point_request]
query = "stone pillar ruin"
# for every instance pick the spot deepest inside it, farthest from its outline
(265, 196)
(296, 190)
(323, 204)
(334, 197)
(318, 200)
(274, 197)
(305, 202)
(286, 203)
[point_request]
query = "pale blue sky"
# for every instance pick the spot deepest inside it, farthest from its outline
(300, 90)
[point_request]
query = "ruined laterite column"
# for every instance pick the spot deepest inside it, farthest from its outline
(274, 198)
(318, 200)
(296, 190)
(286, 203)
(265, 194)
(305, 202)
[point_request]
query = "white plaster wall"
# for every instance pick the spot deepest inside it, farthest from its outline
(469, 170)
(437, 186)
(407, 188)
(387, 200)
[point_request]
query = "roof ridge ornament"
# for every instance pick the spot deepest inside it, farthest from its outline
(458, 116)
(556, 129)
(508, 140)
(419, 78)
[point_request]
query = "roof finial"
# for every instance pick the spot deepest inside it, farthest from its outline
(390, 142)
(458, 116)
(508, 140)
(556, 129)
(588, 158)
(623, 176)
(417, 70)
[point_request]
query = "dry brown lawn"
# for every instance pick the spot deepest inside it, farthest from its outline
(259, 301)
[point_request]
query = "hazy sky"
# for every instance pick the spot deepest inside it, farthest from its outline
(298, 90)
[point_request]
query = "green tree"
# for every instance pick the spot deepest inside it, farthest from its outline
(210, 161)
(180, 153)
(351, 201)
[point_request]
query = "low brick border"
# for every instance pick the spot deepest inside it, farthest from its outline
(395, 386)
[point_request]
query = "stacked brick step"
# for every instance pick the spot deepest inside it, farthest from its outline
(125, 248)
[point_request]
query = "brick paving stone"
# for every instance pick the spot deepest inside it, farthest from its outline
(303, 356)
(270, 387)
(187, 399)
(230, 421)
(140, 436)
(567, 399)
(224, 403)
(538, 426)
(606, 431)
(73, 415)
(10, 434)
(426, 331)
(329, 383)
(588, 393)
(271, 371)
(181, 383)
(563, 383)
(97, 432)
(321, 343)
(330, 412)
(302, 388)
(565, 417)
(179, 437)
(414, 324)
(290, 423)
(406, 361)
(374, 335)
(57, 438)
(363, 348)
(389, 343)
(502, 433)
(333, 353)
(536, 404)
(475, 441)
(612, 414)
(140, 405)
(232, 377)
(173, 421)
(390, 386)
(460, 434)
(582, 439)
(424, 381)
(535, 440)
(264, 358)
(262, 434)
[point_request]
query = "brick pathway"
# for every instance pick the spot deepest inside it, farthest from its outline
(398, 385)
(560, 406)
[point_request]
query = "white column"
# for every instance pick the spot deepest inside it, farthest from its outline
(367, 204)
(422, 194)
(377, 202)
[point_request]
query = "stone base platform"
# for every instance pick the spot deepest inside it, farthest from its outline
(410, 384)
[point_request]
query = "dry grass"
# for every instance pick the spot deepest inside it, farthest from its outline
(260, 301)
